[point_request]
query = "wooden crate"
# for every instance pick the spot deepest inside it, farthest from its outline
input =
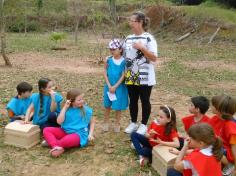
(21, 135)
(162, 159)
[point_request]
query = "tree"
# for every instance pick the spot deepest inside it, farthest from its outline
(112, 4)
(2, 34)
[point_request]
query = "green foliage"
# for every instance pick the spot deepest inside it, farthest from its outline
(18, 25)
(57, 36)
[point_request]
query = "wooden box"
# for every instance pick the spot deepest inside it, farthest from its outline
(162, 159)
(21, 135)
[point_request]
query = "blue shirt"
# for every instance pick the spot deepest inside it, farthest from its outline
(19, 106)
(77, 121)
(41, 118)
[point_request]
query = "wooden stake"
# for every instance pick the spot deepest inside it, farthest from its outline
(214, 35)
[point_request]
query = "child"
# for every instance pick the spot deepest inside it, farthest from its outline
(226, 109)
(162, 131)
(205, 159)
(77, 125)
(18, 105)
(216, 122)
(114, 77)
(45, 105)
(198, 107)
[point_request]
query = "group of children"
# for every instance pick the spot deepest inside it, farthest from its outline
(73, 125)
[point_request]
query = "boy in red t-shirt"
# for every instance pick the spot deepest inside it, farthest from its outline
(198, 107)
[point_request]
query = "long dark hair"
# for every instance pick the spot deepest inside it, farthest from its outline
(170, 113)
(42, 84)
(140, 17)
(204, 133)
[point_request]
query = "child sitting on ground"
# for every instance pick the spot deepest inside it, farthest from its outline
(19, 104)
(77, 125)
(161, 131)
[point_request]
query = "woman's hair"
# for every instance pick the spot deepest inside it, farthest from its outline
(227, 107)
(42, 84)
(170, 113)
(202, 132)
(140, 17)
(72, 94)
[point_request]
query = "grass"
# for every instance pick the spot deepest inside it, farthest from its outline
(211, 10)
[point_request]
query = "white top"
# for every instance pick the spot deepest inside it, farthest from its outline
(118, 61)
(188, 165)
(137, 65)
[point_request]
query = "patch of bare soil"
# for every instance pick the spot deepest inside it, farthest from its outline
(40, 62)
(220, 65)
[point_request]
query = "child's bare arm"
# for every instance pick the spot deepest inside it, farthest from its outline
(175, 142)
(113, 88)
(61, 116)
(91, 129)
(29, 112)
(105, 75)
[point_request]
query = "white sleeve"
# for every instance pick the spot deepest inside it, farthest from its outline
(187, 164)
(152, 45)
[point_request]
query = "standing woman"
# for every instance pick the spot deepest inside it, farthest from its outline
(140, 52)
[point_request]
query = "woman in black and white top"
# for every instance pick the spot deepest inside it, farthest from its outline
(140, 52)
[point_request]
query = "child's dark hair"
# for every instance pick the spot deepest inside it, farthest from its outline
(72, 94)
(23, 87)
(140, 17)
(201, 102)
(202, 132)
(170, 113)
(227, 107)
(42, 84)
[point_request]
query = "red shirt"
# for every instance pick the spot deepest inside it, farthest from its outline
(228, 129)
(188, 121)
(217, 124)
(161, 133)
(204, 165)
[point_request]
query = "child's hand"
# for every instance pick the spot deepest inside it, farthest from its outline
(112, 89)
(51, 92)
(174, 151)
(186, 142)
(157, 140)
(152, 131)
(91, 137)
(67, 104)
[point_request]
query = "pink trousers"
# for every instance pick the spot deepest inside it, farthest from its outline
(56, 136)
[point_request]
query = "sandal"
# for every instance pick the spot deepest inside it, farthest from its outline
(56, 151)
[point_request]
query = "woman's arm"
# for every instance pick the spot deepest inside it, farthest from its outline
(147, 54)
(61, 116)
(29, 112)
(91, 129)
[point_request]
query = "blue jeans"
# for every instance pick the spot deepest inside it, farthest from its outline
(142, 145)
(173, 172)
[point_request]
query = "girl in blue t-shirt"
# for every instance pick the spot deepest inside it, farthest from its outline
(77, 125)
(115, 91)
(46, 105)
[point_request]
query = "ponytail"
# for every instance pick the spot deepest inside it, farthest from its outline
(40, 104)
(217, 149)
(42, 84)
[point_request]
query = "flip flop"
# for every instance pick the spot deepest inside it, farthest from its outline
(56, 151)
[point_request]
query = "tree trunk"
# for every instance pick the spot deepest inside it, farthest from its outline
(2, 35)
(76, 30)
(113, 10)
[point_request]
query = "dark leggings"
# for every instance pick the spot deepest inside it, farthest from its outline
(144, 93)
(141, 145)
(51, 122)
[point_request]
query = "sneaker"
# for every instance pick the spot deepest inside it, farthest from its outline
(117, 128)
(228, 170)
(143, 161)
(44, 143)
(56, 151)
(132, 127)
(105, 127)
(132, 145)
(142, 129)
